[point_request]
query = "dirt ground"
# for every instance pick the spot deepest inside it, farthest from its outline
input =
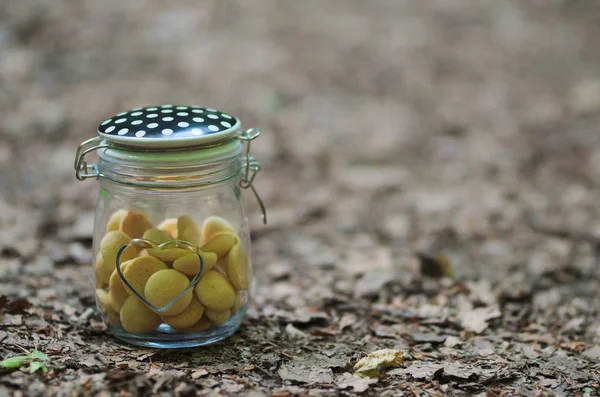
(396, 134)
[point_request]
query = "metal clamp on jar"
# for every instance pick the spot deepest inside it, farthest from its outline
(171, 239)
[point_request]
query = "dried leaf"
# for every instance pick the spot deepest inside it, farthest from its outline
(18, 306)
(199, 373)
(294, 332)
(435, 266)
(483, 347)
(593, 352)
(372, 283)
(14, 306)
(419, 370)
(305, 373)
(347, 320)
(476, 320)
(312, 368)
(10, 319)
(452, 341)
(323, 332)
(359, 384)
(89, 361)
(390, 331)
(305, 316)
(369, 366)
(428, 337)
(459, 370)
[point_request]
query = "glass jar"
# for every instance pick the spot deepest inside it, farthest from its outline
(172, 263)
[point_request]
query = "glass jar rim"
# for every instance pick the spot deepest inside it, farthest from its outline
(206, 164)
(171, 169)
(220, 151)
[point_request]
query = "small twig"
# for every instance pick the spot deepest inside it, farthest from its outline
(264, 371)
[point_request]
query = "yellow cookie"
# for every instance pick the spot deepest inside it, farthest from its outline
(218, 318)
(215, 292)
(139, 270)
(163, 286)
(115, 220)
(116, 290)
(188, 230)
(190, 316)
(213, 225)
(202, 325)
(237, 303)
(137, 318)
(168, 255)
(221, 243)
(113, 317)
(110, 245)
(98, 278)
(237, 267)
(220, 267)
(102, 297)
(190, 264)
(157, 236)
(134, 224)
(104, 300)
(170, 226)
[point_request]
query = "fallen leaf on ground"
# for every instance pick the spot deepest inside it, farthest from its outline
(452, 341)
(294, 332)
(370, 366)
(435, 266)
(199, 373)
(347, 320)
(35, 360)
(428, 337)
(483, 347)
(476, 320)
(14, 362)
(14, 306)
(465, 371)
(371, 283)
(359, 384)
(305, 374)
(419, 370)
(312, 368)
(593, 352)
(9, 319)
(306, 316)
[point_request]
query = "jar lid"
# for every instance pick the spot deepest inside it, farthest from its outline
(168, 126)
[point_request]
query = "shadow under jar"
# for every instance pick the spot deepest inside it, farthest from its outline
(172, 264)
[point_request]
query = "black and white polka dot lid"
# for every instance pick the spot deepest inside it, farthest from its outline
(168, 126)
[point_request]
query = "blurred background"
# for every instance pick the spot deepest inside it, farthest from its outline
(389, 126)
(402, 140)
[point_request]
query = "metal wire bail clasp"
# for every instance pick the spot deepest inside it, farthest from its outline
(251, 167)
(83, 170)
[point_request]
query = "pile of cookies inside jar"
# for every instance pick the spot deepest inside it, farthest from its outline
(189, 288)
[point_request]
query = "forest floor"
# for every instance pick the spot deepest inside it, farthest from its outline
(395, 133)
